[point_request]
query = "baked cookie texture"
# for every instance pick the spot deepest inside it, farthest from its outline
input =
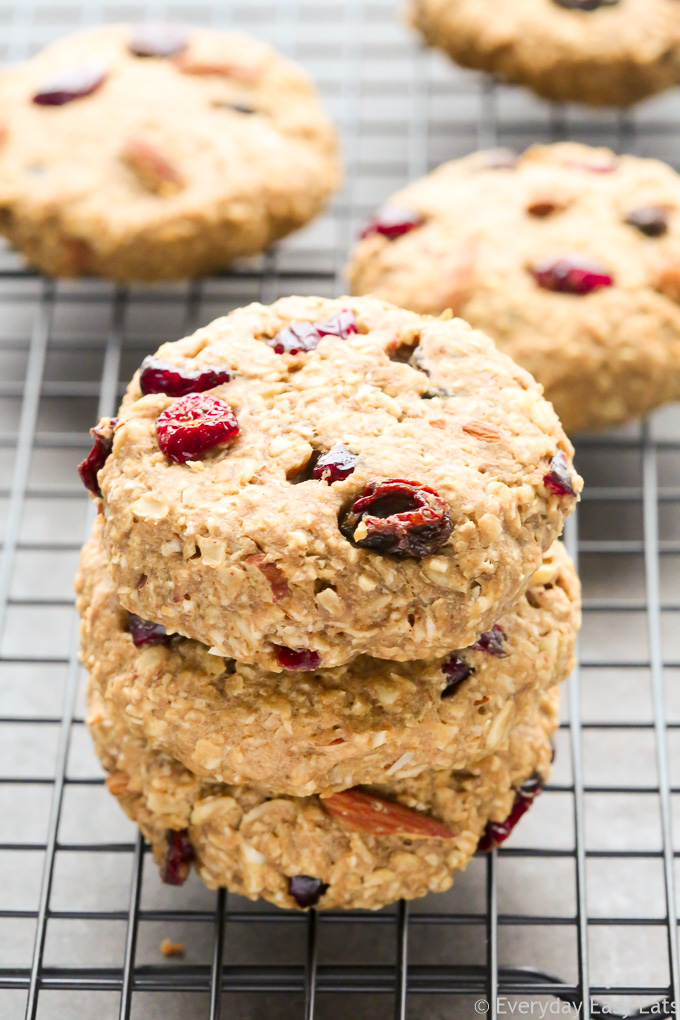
(606, 53)
(367, 722)
(244, 550)
(171, 166)
(568, 256)
(254, 845)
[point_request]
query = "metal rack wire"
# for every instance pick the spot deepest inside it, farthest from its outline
(580, 904)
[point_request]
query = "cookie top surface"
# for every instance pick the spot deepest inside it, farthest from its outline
(158, 166)
(362, 848)
(601, 52)
(568, 256)
(328, 729)
(356, 503)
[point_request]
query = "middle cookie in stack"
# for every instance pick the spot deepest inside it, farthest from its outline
(272, 523)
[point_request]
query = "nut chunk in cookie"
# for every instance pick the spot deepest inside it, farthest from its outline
(377, 486)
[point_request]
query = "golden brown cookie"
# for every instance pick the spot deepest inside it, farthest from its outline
(568, 256)
(158, 152)
(363, 848)
(351, 479)
(366, 722)
(600, 52)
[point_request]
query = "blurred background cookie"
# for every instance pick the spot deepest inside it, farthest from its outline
(601, 52)
(157, 152)
(568, 256)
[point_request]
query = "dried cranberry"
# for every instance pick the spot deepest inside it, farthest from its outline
(145, 632)
(175, 870)
(305, 890)
(398, 517)
(392, 221)
(297, 658)
(500, 159)
(571, 274)
(194, 424)
(335, 465)
(651, 220)
(157, 39)
(158, 376)
(496, 833)
(71, 83)
(558, 477)
(304, 336)
(585, 5)
(102, 435)
(491, 641)
(455, 670)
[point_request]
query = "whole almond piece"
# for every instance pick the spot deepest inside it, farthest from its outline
(153, 170)
(482, 430)
(375, 816)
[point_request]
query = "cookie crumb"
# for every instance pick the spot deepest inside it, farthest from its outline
(169, 948)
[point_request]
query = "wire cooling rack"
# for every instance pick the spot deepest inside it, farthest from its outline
(579, 905)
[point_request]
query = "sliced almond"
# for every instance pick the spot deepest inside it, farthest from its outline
(273, 573)
(668, 281)
(151, 167)
(375, 816)
(189, 64)
(482, 430)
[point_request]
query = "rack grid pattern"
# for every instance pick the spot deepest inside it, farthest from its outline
(580, 905)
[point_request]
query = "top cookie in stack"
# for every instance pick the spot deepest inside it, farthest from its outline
(358, 479)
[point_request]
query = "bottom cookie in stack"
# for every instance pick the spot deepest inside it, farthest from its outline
(360, 848)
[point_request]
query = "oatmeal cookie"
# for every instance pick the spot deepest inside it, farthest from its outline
(358, 480)
(365, 722)
(600, 52)
(362, 848)
(568, 256)
(154, 152)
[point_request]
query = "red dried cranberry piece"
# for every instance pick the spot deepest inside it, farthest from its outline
(102, 435)
(571, 274)
(558, 477)
(585, 5)
(297, 658)
(335, 465)
(158, 376)
(71, 83)
(491, 641)
(194, 424)
(392, 221)
(157, 39)
(455, 670)
(496, 833)
(305, 890)
(398, 517)
(145, 632)
(651, 220)
(300, 337)
(176, 866)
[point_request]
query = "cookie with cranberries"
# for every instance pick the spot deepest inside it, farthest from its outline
(567, 256)
(598, 52)
(360, 848)
(344, 726)
(319, 479)
(157, 151)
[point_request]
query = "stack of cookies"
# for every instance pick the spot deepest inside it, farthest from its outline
(324, 611)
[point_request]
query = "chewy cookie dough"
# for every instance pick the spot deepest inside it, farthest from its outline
(336, 852)
(154, 152)
(601, 52)
(567, 256)
(387, 489)
(370, 721)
